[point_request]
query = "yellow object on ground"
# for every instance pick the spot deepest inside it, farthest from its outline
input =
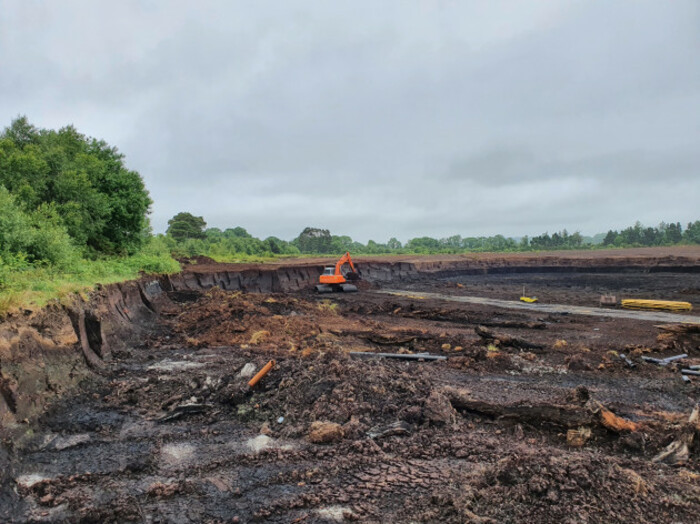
(664, 305)
(529, 300)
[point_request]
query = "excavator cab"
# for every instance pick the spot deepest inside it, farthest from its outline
(332, 279)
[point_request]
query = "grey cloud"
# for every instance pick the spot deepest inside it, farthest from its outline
(503, 166)
(377, 119)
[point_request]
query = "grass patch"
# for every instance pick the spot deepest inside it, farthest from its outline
(326, 306)
(242, 258)
(31, 287)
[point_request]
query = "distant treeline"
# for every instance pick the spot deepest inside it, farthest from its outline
(187, 235)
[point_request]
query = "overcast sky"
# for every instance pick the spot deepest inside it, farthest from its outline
(377, 118)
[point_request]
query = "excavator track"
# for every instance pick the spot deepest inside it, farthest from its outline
(335, 288)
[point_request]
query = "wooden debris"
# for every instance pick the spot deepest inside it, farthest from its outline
(389, 340)
(400, 356)
(613, 422)
(608, 300)
(182, 410)
(505, 340)
(396, 428)
(578, 437)
(567, 416)
(677, 452)
(515, 324)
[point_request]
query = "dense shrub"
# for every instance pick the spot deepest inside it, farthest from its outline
(38, 238)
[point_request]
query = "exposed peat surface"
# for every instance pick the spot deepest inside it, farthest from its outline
(134, 405)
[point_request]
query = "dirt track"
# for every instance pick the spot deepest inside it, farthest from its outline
(170, 432)
(651, 316)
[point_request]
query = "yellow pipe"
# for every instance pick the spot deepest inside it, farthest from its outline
(665, 305)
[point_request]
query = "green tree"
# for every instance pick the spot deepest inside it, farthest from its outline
(394, 244)
(610, 238)
(314, 240)
(237, 232)
(185, 225)
(673, 233)
(101, 203)
(423, 245)
(692, 232)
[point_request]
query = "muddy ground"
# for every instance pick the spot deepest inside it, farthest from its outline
(531, 418)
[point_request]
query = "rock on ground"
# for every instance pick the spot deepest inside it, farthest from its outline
(321, 432)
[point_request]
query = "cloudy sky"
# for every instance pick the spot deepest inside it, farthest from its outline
(377, 118)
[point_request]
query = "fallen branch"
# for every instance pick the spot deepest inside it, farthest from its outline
(515, 324)
(389, 341)
(567, 416)
(505, 340)
(184, 409)
(400, 356)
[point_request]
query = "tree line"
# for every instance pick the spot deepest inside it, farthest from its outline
(187, 235)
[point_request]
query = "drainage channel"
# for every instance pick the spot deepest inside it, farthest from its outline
(652, 316)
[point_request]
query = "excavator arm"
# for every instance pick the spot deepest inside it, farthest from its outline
(346, 258)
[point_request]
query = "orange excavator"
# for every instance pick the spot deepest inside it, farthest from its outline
(333, 279)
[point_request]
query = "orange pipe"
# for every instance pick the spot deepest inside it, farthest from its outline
(261, 373)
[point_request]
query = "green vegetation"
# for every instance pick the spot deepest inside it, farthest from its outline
(35, 285)
(230, 245)
(238, 245)
(71, 215)
(663, 235)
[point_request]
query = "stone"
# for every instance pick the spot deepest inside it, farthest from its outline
(438, 410)
(321, 432)
(248, 370)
